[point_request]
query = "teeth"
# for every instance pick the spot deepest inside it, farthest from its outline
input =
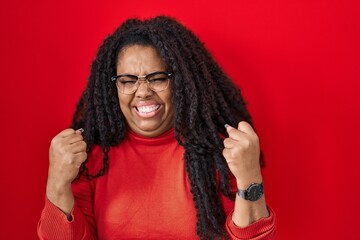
(147, 109)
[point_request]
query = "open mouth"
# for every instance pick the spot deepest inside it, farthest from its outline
(147, 109)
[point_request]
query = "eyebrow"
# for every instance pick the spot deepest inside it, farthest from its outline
(157, 71)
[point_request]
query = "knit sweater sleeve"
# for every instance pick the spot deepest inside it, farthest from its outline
(263, 229)
(54, 225)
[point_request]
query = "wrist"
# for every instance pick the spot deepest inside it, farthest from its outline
(61, 197)
(57, 189)
(253, 193)
(244, 183)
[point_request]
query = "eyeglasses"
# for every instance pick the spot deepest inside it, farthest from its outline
(156, 81)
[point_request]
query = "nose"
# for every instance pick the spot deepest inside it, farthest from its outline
(143, 90)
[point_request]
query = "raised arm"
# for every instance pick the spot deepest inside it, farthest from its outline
(61, 218)
(242, 153)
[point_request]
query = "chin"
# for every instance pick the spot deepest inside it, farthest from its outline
(151, 131)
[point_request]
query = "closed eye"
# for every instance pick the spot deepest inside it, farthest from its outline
(158, 79)
(127, 82)
(128, 79)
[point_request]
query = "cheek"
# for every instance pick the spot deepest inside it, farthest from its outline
(167, 99)
(170, 109)
(124, 102)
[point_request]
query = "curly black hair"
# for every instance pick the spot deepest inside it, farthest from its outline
(204, 99)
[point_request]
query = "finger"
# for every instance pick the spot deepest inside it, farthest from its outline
(233, 132)
(227, 155)
(229, 143)
(78, 147)
(228, 127)
(66, 132)
(79, 158)
(69, 132)
(73, 138)
(246, 128)
(80, 131)
(77, 136)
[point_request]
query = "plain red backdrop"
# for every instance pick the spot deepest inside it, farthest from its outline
(297, 63)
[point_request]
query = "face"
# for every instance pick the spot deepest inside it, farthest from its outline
(147, 113)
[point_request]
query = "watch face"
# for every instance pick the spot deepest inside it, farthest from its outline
(255, 192)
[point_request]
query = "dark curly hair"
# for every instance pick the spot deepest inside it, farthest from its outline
(204, 99)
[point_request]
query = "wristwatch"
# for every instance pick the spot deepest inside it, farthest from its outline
(253, 192)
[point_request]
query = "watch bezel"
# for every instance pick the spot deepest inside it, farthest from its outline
(253, 193)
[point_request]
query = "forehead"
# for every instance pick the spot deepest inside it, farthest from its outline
(140, 57)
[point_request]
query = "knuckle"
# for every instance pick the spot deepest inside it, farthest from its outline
(75, 137)
(78, 165)
(54, 141)
(70, 159)
(233, 133)
(246, 143)
(68, 131)
(229, 155)
(84, 156)
(62, 147)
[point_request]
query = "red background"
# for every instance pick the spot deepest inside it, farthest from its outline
(297, 63)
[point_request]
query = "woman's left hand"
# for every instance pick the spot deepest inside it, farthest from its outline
(242, 154)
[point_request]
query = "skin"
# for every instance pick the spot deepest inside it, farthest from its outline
(66, 154)
(141, 60)
(68, 149)
(242, 153)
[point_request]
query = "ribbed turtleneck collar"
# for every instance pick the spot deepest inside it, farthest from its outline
(166, 137)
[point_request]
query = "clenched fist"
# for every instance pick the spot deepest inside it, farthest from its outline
(242, 154)
(66, 154)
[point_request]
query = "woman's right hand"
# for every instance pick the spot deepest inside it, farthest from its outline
(66, 154)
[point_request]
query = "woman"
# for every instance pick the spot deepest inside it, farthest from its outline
(153, 161)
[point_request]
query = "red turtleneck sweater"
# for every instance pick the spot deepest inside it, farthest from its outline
(144, 195)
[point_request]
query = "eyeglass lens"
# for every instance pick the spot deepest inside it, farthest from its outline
(157, 81)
